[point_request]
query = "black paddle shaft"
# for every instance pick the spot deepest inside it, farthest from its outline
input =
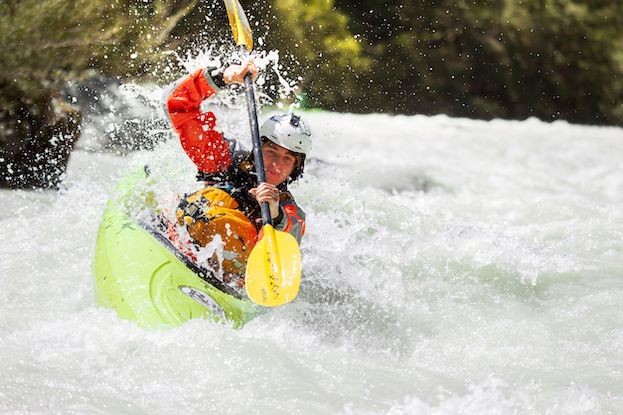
(257, 144)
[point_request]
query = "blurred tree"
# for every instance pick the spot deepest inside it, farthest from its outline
(566, 59)
(45, 43)
(316, 42)
(494, 58)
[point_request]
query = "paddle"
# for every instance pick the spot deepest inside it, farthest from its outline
(273, 274)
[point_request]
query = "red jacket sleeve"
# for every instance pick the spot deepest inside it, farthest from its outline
(205, 146)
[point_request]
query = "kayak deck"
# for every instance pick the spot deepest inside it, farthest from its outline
(145, 278)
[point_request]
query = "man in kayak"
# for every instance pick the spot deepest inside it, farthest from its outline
(227, 207)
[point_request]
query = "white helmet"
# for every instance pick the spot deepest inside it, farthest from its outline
(288, 131)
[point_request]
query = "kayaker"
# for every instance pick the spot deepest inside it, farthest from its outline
(228, 203)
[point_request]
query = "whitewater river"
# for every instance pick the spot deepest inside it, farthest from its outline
(451, 266)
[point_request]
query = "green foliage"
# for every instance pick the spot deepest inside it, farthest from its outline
(326, 54)
(44, 43)
(566, 58)
(490, 58)
(545, 58)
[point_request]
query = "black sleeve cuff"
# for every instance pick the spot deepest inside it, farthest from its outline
(277, 221)
(214, 76)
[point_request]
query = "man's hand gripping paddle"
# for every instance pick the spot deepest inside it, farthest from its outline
(273, 273)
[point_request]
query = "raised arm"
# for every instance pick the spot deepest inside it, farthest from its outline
(205, 146)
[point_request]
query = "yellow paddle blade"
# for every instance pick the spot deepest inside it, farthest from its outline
(239, 24)
(273, 273)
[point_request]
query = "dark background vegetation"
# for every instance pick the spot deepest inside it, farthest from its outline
(551, 59)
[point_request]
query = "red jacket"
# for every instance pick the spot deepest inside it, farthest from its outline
(207, 147)
(204, 145)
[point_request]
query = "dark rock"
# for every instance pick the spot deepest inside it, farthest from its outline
(118, 118)
(37, 134)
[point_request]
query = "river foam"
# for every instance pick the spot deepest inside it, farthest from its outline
(450, 266)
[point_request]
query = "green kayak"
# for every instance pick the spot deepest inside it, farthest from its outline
(145, 278)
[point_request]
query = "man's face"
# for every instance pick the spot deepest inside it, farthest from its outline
(278, 162)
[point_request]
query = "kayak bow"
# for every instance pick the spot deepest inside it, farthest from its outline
(139, 273)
